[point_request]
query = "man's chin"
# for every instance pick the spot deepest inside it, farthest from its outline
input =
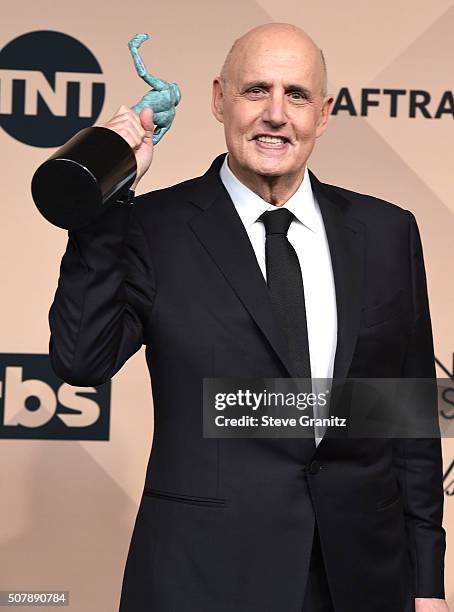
(269, 169)
(263, 168)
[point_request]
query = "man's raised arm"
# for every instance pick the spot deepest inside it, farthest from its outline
(106, 286)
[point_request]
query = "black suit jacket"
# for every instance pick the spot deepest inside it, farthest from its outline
(225, 525)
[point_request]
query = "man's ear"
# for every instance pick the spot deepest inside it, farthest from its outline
(217, 100)
(324, 115)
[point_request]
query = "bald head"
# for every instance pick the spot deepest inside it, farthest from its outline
(271, 35)
(270, 97)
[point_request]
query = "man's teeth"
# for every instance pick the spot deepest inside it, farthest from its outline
(271, 139)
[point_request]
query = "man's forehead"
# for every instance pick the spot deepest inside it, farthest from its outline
(259, 58)
(272, 51)
(283, 69)
(283, 51)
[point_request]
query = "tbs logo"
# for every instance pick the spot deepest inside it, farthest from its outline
(51, 86)
(34, 403)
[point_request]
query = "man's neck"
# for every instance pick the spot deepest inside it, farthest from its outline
(276, 190)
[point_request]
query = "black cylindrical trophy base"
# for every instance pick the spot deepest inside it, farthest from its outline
(74, 186)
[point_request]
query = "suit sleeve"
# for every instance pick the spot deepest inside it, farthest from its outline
(103, 300)
(418, 462)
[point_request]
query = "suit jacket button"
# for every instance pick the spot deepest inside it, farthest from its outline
(314, 467)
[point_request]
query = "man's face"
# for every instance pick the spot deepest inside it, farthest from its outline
(272, 107)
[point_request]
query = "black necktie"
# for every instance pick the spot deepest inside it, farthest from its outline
(286, 287)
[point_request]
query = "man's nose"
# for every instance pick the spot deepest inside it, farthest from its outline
(274, 111)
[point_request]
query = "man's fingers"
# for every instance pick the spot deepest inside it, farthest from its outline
(127, 124)
(125, 111)
(137, 130)
(146, 120)
(130, 132)
(126, 114)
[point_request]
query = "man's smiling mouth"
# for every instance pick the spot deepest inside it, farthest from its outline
(267, 142)
(271, 139)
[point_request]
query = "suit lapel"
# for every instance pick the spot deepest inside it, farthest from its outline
(222, 233)
(346, 243)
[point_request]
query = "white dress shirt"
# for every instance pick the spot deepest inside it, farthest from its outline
(307, 236)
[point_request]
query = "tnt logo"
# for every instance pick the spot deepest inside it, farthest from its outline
(51, 86)
(34, 403)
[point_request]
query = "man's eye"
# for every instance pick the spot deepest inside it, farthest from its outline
(255, 90)
(297, 95)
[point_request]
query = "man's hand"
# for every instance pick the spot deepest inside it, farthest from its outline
(431, 605)
(137, 130)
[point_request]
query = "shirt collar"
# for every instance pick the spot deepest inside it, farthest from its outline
(250, 206)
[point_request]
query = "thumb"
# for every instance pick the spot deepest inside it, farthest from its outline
(146, 119)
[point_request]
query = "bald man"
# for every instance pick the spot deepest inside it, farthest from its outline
(258, 270)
